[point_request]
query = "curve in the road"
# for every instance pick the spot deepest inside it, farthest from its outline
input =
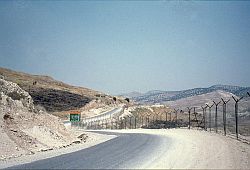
(103, 115)
(128, 150)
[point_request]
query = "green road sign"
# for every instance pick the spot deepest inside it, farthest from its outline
(74, 117)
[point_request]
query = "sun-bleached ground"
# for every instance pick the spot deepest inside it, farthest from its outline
(186, 149)
(196, 149)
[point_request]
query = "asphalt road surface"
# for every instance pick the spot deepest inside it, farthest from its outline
(105, 115)
(128, 150)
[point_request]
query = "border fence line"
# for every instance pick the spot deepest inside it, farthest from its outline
(202, 120)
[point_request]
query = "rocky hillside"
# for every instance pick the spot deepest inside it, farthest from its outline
(25, 129)
(55, 96)
(157, 96)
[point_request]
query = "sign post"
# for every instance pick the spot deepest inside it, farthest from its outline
(75, 116)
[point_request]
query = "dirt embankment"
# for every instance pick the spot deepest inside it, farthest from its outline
(59, 98)
(24, 129)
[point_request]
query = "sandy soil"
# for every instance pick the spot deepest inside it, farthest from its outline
(203, 150)
(194, 149)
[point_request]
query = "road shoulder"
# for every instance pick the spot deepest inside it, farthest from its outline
(93, 139)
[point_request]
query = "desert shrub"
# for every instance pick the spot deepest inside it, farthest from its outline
(127, 99)
(16, 96)
(40, 108)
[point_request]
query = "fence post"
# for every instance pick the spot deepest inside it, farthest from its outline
(111, 123)
(106, 121)
(121, 123)
(161, 115)
(148, 121)
(176, 112)
(149, 118)
(210, 115)
(224, 115)
(204, 111)
(216, 115)
(170, 119)
(125, 123)
(236, 115)
(189, 118)
(195, 117)
(135, 122)
(130, 117)
(141, 120)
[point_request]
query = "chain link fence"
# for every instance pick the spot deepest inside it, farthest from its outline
(229, 117)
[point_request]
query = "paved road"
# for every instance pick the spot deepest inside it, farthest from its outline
(125, 151)
(101, 117)
(105, 115)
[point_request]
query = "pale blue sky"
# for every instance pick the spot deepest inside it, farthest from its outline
(124, 46)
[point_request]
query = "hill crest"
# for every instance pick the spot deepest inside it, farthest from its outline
(160, 96)
(57, 96)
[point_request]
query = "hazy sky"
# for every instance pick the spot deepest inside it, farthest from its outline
(125, 46)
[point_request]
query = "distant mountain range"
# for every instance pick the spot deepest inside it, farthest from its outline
(159, 96)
